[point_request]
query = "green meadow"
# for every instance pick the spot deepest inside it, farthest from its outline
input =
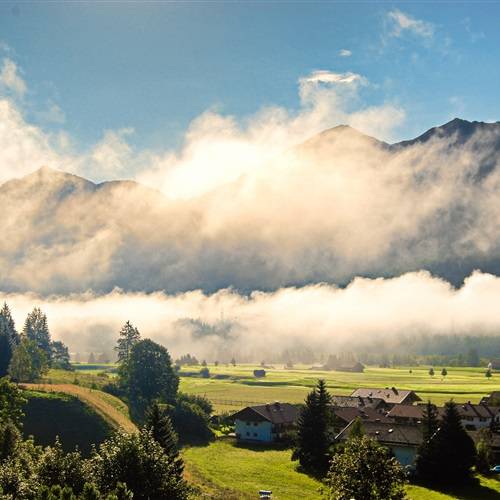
(237, 385)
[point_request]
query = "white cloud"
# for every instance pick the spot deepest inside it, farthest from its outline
(325, 317)
(402, 22)
(10, 79)
(323, 76)
(345, 53)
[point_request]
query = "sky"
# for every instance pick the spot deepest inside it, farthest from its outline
(151, 68)
(214, 104)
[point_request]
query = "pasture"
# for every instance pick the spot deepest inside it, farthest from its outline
(231, 387)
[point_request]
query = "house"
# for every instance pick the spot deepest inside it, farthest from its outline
(493, 399)
(345, 415)
(356, 367)
(403, 440)
(357, 402)
(390, 396)
(265, 423)
(472, 416)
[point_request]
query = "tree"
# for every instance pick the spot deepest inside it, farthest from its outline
(9, 324)
(365, 470)
(431, 371)
(450, 453)
(138, 461)
(9, 338)
(233, 361)
(91, 359)
(488, 373)
(313, 436)
(191, 418)
(160, 425)
(37, 330)
(60, 356)
(150, 377)
(28, 362)
(129, 336)
(484, 451)
(11, 402)
(5, 350)
(444, 372)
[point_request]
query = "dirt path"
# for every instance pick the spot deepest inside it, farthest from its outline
(104, 404)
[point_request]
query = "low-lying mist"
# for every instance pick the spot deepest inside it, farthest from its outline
(257, 327)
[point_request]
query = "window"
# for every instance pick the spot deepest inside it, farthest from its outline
(254, 434)
(249, 424)
(255, 424)
(248, 434)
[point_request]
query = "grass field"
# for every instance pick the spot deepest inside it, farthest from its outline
(461, 384)
(224, 471)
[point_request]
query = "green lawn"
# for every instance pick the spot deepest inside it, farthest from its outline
(225, 471)
(461, 384)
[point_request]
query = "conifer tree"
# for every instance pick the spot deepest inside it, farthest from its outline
(313, 430)
(448, 456)
(37, 330)
(160, 425)
(129, 336)
(8, 322)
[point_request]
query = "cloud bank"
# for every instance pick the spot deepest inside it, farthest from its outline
(322, 317)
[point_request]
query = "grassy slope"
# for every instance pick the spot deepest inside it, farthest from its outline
(228, 472)
(462, 384)
(110, 408)
(48, 415)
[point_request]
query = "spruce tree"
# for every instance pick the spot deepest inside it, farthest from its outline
(313, 431)
(160, 425)
(37, 330)
(8, 322)
(5, 350)
(449, 454)
(129, 336)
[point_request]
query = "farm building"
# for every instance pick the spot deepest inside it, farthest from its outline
(403, 440)
(390, 396)
(493, 399)
(344, 416)
(265, 423)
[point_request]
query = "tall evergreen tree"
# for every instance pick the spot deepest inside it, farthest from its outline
(36, 329)
(160, 425)
(5, 350)
(450, 453)
(9, 324)
(9, 338)
(429, 421)
(129, 336)
(313, 431)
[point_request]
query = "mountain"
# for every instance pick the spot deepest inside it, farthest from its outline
(340, 205)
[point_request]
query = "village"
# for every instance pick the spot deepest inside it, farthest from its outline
(391, 416)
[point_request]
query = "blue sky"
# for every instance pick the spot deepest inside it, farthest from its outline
(154, 67)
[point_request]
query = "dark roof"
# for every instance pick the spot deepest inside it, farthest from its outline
(356, 401)
(463, 409)
(388, 433)
(347, 414)
(276, 413)
(389, 395)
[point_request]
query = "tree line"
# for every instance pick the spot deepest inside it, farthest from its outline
(26, 356)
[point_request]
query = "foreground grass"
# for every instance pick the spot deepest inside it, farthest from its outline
(222, 470)
(225, 471)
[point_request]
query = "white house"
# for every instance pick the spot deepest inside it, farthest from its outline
(264, 423)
